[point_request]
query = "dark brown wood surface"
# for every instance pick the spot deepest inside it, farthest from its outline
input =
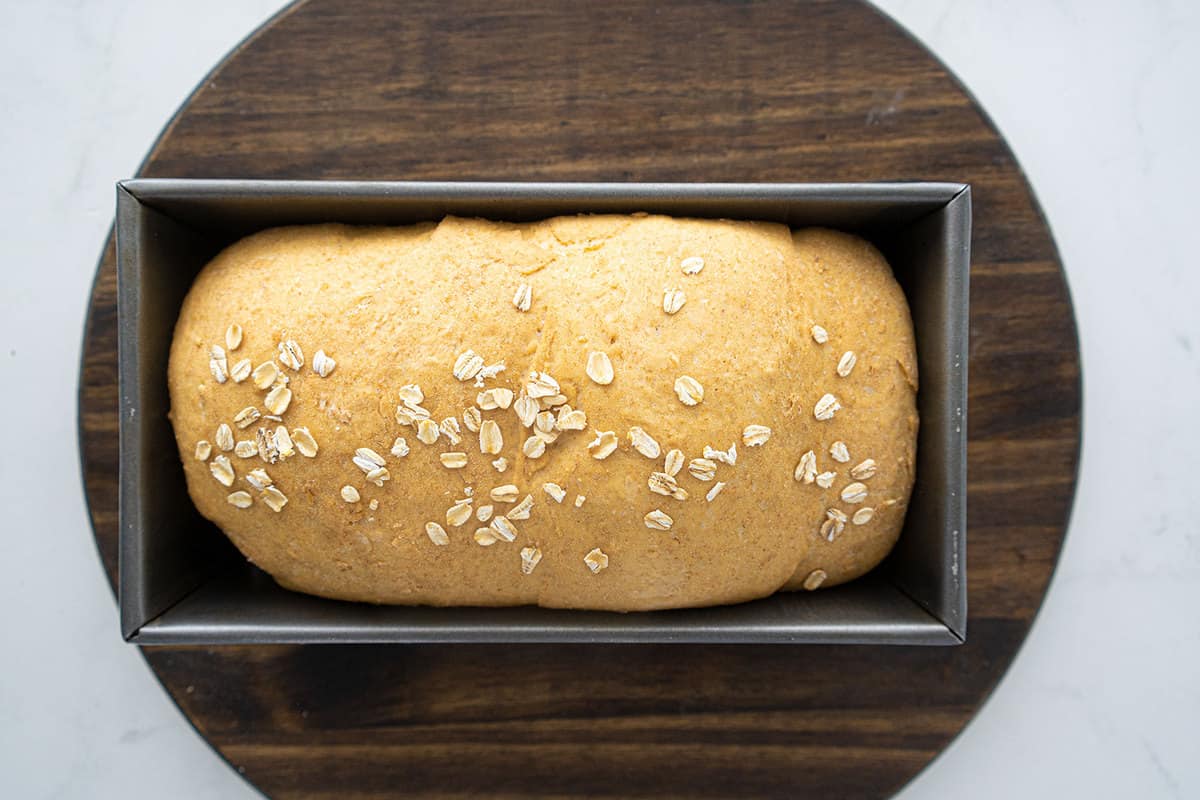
(629, 90)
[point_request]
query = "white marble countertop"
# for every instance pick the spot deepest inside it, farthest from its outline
(1097, 100)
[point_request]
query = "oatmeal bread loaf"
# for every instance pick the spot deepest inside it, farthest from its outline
(600, 412)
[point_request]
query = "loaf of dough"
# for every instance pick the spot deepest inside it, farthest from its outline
(595, 412)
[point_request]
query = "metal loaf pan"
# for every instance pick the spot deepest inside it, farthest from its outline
(182, 582)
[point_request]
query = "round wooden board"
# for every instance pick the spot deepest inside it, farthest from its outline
(628, 91)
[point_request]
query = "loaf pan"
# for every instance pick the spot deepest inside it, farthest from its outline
(183, 582)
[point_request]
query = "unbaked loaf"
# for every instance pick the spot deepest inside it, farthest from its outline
(418, 415)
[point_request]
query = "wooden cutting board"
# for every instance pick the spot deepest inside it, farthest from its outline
(637, 91)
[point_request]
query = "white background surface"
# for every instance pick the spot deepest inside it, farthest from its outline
(1098, 101)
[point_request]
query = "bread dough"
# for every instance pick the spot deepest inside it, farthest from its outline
(395, 307)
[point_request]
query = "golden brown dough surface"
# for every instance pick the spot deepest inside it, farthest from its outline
(398, 306)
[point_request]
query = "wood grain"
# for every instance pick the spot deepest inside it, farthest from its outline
(628, 90)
